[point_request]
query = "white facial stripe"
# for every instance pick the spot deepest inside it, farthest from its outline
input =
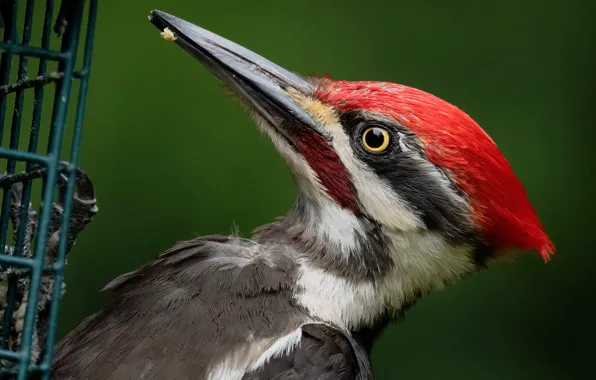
(328, 222)
(423, 262)
(376, 196)
(329, 225)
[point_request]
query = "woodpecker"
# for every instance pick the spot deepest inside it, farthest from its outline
(399, 194)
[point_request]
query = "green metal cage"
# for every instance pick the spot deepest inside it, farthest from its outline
(63, 24)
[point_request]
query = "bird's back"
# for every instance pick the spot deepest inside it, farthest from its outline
(207, 308)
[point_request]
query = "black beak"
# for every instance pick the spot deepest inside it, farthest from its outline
(261, 83)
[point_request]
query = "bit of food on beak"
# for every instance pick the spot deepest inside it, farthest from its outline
(168, 35)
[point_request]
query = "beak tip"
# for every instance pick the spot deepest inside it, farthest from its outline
(155, 12)
(152, 14)
(154, 17)
(160, 19)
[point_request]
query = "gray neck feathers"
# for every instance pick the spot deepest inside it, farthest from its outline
(332, 239)
(355, 272)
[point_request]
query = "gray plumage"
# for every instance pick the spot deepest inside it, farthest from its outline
(178, 316)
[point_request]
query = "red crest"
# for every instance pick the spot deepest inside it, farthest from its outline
(454, 141)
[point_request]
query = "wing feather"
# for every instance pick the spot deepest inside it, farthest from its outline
(322, 352)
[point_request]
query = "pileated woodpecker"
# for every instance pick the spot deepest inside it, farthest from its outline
(399, 193)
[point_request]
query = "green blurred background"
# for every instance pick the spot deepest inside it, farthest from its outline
(173, 157)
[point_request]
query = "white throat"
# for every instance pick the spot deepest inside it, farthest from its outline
(423, 262)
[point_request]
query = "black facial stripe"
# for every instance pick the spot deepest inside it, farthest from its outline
(411, 175)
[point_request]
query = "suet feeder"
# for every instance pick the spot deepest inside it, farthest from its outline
(31, 282)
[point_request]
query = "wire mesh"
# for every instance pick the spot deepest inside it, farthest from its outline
(24, 264)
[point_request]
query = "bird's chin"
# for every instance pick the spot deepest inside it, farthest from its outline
(281, 141)
(303, 175)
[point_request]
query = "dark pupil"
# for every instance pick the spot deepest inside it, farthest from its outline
(374, 138)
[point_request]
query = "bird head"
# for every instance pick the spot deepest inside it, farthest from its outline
(377, 161)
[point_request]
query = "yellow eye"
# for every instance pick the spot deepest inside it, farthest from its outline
(375, 139)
